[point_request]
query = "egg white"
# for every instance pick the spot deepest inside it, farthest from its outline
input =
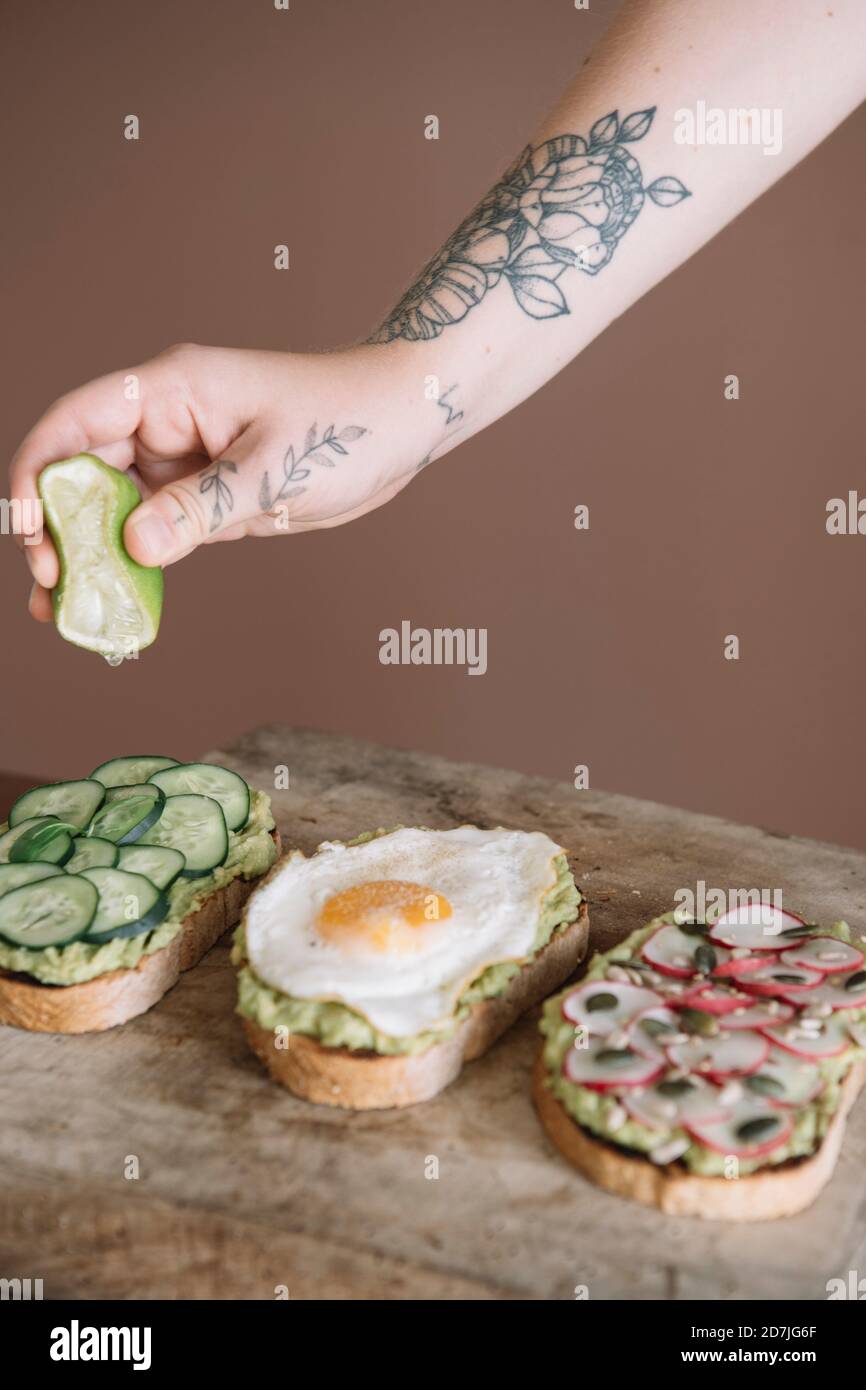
(494, 880)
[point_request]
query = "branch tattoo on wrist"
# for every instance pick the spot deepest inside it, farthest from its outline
(584, 191)
(322, 450)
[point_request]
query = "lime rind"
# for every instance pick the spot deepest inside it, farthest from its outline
(104, 601)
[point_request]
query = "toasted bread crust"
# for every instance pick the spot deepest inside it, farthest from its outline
(761, 1196)
(372, 1081)
(114, 998)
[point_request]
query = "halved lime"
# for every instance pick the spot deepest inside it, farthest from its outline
(104, 600)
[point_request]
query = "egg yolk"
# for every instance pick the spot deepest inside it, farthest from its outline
(387, 915)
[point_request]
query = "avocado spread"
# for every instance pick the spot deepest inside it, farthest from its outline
(251, 853)
(592, 1109)
(336, 1025)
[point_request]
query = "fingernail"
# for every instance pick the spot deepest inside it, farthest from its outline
(153, 537)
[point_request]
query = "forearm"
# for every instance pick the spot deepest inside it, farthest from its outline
(594, 213)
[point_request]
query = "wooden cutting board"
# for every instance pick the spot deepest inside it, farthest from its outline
(243, 1190)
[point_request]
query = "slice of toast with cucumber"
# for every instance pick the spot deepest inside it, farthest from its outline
(113, 884)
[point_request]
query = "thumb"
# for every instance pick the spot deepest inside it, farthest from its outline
(191, 510)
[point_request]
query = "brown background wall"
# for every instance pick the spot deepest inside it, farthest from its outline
(707, 517)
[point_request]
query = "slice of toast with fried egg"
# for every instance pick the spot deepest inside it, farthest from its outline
(370, 972)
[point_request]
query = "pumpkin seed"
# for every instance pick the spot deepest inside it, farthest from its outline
(786, 979)
(765, 1085)
(706, 959)
(614, 1056)
(679, 1086)
(856, 982)
(757, 1128)
(697, 1021)
(595, 1002)
(798, 931)
(694, 928)
(655, 1027)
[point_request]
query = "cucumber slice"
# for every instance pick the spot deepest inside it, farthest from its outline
(197, 827)
(89, 852)
(16, 875)
(48, 849)
(128, 904)
(208, 779)
(37, 841)
(125, 772)
(52, 912)
(156, 862)
(75, 802)
(143, 789)
(125, 821)
(104, 600)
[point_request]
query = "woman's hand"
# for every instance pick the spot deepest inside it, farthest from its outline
(226, 443)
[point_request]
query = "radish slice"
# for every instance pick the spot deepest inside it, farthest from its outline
(833, 1039)
(602, 1068)
(725, 1055)
(671, 951)
(785, 1080)
(756, 925)
(670, 1104)
(713, 999)
(759, 1015)
(751, 1131)
(604, 1006)
(834, 990)
(825, 953)
(735, 966)
(781, 981)
(647, 1032)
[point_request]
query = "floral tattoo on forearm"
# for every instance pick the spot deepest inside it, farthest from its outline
(323, 450)
(586, 192)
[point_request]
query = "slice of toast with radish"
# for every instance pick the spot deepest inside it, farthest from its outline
(392, 1061)
(113, 885)
(707, 1069)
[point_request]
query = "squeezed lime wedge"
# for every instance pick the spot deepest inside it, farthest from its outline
(104, 601)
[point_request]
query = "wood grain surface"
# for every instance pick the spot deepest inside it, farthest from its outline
(242, 1189)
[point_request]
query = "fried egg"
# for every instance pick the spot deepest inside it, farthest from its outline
(398, 927)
